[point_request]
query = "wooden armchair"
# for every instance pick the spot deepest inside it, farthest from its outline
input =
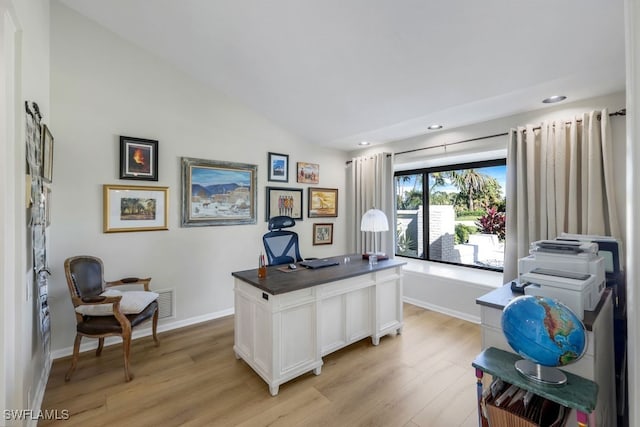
(100, 314)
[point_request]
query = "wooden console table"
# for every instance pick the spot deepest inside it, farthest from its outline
(286, 322)
(578, 393)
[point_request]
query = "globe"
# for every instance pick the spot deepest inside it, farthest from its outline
(547, 333)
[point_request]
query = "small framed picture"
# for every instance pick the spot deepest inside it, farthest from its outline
(323, 234)
(47, 154)
(135, 208)
(323, 202)
(308, 173)
(278, 167)
(138, 158)
(284, 201)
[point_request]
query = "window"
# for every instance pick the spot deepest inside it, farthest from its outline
(453, 214)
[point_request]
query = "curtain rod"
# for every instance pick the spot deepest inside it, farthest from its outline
(622, 112)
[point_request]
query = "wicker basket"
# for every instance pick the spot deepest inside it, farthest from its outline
(540, 413)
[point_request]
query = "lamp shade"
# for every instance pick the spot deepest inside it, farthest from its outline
(374, 220)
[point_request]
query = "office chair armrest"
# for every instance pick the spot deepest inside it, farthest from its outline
(130, 281)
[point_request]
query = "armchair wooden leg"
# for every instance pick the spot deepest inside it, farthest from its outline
(74, 360)
(126, 350)
(100, 346)
(154, 327)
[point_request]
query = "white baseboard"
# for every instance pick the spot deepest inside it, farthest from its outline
(443, 310)
(143, 332)
(38, 396)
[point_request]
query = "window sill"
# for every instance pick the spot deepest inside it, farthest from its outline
(474, 276)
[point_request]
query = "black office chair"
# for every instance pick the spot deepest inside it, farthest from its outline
(281, 246)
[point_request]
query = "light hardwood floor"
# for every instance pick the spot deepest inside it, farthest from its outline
(420, 378)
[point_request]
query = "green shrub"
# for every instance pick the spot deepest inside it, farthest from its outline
(462, 233)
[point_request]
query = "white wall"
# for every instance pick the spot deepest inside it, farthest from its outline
(25, 76)
(447, 289)
(632, 19)
(439, 283)
(103, 87)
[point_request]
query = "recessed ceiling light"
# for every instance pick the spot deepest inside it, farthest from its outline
(554, 98)
(363, 143)
(435, 127)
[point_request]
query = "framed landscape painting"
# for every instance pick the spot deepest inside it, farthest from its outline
(218, 193)
(323, 202)
(278, 167)
(135, 208)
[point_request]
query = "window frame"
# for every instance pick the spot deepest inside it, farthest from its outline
(425, 202)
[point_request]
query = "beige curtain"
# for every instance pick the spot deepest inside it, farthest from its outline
(370, 184)
(559, 179)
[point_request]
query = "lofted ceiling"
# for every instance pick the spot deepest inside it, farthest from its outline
(337, 72)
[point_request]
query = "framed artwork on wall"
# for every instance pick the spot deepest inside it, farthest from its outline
(278, 167)
(218, 193)
(47, 154)
(135, 208)
(308, 173)
(138, 159)
(284, 201)
(323, 234)
(323, 202)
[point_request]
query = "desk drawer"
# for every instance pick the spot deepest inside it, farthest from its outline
(294, 298)
(344, 286)
(388, 274)
(275, 302)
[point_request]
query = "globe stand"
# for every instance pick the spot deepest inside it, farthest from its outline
(540, 374)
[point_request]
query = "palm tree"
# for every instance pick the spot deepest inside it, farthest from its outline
(409, 199)
(469, 182)
(437, 179)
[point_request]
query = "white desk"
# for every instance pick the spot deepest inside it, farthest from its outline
(597, 364)
(287, 321)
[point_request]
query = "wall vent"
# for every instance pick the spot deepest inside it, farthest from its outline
(166, 304)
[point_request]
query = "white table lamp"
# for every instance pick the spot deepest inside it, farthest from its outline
(375, 221)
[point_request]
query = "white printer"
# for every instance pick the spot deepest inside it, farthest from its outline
(571, 272)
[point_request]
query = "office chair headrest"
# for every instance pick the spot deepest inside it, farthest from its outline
(282, 221)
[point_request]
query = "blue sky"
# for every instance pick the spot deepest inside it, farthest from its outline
(209, 176)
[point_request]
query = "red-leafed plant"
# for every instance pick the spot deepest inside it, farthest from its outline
(493, 222)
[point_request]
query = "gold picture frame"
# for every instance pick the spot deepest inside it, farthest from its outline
(135, 208)
(323, 203)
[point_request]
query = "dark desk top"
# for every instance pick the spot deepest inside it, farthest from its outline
(500, 297)
(280, 282)
(578, 393)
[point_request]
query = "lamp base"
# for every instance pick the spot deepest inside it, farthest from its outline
(381, 256)
(541, 374)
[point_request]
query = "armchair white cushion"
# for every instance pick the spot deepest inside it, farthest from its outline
(132, 302)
